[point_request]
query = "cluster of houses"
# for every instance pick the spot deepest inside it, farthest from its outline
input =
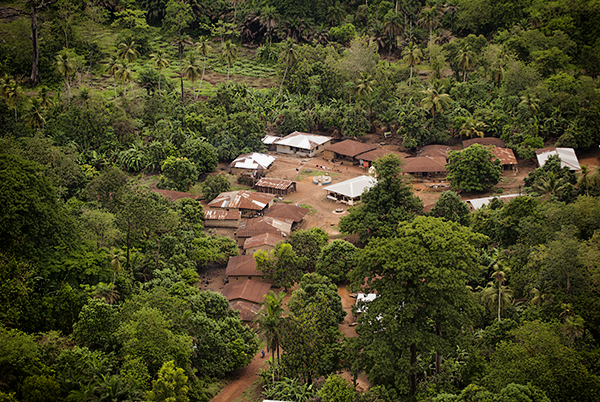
(259, 223)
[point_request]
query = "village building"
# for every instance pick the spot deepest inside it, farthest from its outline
(265, 241)
(269, 141)
(275, 186)
(487, 141)
(287, 212)
(247, 310)
(567, 157)
(248, 289)
(434, 151)
(219, 218)
(249, 203)
(477, 203)
(426, 166)
(366, 159)
(302, 144)
(251, 164)
(349, 191)
(505, 155)
(242, 267)
(347, 150)
(265, 224)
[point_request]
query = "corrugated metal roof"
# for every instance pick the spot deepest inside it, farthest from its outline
(480, 202)
(269, 139)
(249, 289)
(242, 265)
(246, 309)
(425, 164)
(271, 182)
(288, 212)
(265, 239)
(350, 148)
(567, 157)
(485, 141)
(506, 155)
(353, 188)
(242, 200)
(378, 153)
(264, 224)
(302, 140)
(253, 161)
(222, 215)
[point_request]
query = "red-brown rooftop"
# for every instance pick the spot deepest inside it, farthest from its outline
(251, 290)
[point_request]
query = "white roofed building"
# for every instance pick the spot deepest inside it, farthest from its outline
(302, 144)
(250, 163)
(350, 191)
(566, 155)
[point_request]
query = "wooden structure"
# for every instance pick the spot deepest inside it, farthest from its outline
(218, 218)
(426, 166)
(242, 267)
(275, 186)
(347, 150)
(287, 212)
(366, 159)
(265, 241)
(302, 144)
(248, 289)
(249, 203)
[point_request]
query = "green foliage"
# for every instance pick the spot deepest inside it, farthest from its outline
(289, 389)
(215, 185)
(214, 249)
(178, 174)
(336, 389)
(336, 260)
(307, 244)
(171, 385)
(451, 207)
(391, 200)
(15, 288)
(311, 288)
(19, 356)
(281, 265)
(40, 388)
(97, 322)
(201, 153)
(473, 169)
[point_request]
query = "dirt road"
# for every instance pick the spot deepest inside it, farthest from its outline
(242, 379)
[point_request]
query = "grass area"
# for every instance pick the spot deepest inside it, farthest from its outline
(311, 209)
(215, 386)
(314, 172)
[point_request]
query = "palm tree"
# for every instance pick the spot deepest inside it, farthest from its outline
(45, 99)
(268, 18)
(550, 185)
(270, 323)
(496, 295)
(128, 51)
(204, 48)
(11, 92)
(65, 67)
(584, 181)
(531, 103)
(159, 61)
(229, 55)
(181, 42)
(106, 292)
(288, 56)
(465, 60)
(472, 127)
(573, 324)
(412, 55)
(430, 18)
(34, 117)
(365, 84)
(114, 67)
(126, 75)
(393, 26)
(116, 257)
(435, 102)
(192, 72)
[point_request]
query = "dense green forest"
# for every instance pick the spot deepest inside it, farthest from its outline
(98, 274)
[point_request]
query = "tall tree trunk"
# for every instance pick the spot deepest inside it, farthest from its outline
(68, 86)
(413, 376)
(181, 69)
(35, 65)
(202, 78)
(284, 74)
(438, 356)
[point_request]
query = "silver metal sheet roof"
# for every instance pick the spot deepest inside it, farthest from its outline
(354, 187)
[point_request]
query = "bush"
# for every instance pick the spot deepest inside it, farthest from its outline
(178, 174)
(214, 185)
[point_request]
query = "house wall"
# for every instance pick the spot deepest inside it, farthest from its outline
(269, 190)
(243, 277)
(252, 250)
(222, 223)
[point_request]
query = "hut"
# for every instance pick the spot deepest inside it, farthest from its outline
(249, 203)
(242, 267)
(287, 212)
(435, 151)
(248, 289)
(257, 226)
(366, 159)
(428, 166)
(275, 186)
(505, 155)
(302, 144)
(265, 241)
(247, 310)
(218, 218)
(347, 150)
(269, 141)
(350, 191)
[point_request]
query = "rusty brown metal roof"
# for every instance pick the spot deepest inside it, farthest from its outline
(350, 148)
(425, 164)
(242, 265)
(248, 289)
(264, 224)
(271, 182)
(242, 200)
(434, 151)
(485, 141)
(246, 309)
(265, 239)
(287, 212)
(378, 153)
(506, 155)
(221, 215)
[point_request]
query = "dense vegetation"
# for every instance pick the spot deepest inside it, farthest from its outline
(97, 273)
